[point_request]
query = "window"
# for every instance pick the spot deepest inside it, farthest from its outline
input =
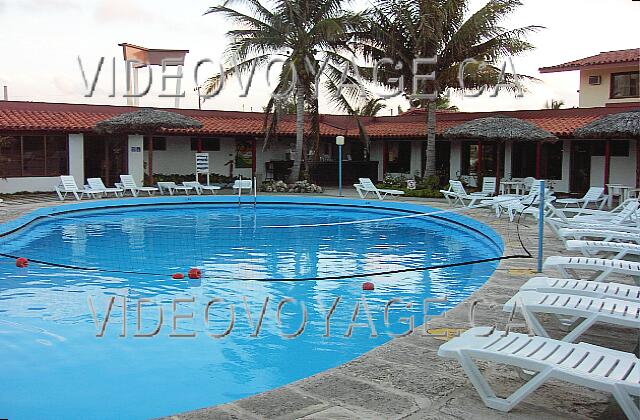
(625, 85)
(159, 143)
(10, 157)
(399, 157)
(24, 156)
(209, 144)
(523, 160)
(618, 148)
(469, 163)
(57, 155)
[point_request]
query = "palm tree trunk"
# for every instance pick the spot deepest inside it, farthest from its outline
(430, 152)
(298, 153)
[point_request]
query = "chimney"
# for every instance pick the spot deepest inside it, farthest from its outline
(6, 92)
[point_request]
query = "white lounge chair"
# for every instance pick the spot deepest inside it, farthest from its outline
(570, 309)
(199, 188)
(97, 186)
(488, 186)
(528, 205)
(582, 364)
(623, 217)
(243, 184)
(367, 186)
(594, 195)
(594, 232)
(566, 266)
(68, 185)
(625, 214)
(171, 187)
(457, 194)
(602, 249)
(583, 288)
(130, 185)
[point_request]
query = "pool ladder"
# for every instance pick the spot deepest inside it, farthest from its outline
(254, 187)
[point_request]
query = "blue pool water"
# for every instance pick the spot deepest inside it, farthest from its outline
(54, 366)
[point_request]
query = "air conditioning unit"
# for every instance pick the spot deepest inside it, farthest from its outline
(595, 80)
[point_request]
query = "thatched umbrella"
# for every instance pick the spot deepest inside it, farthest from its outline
(146, 122)
(623, 125)
(499, 129)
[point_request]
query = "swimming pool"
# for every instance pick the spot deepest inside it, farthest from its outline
(311, 250)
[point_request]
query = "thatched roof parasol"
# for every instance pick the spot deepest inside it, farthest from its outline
(623, 125)
(498, 128)
(145, 121)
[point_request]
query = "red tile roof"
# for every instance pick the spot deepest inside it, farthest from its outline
(73, 118)
(628, 57)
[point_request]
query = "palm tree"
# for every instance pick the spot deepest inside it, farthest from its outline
(311, 38)
(407, 29)
(554, 104)
(371, 107)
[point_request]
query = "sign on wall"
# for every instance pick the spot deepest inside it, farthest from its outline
(244, 154)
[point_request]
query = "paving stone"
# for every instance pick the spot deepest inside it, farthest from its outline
(350, 392)
(279, 402)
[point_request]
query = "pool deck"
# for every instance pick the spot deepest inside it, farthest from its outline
(404, 378)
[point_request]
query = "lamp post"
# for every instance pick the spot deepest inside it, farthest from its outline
(340, 143)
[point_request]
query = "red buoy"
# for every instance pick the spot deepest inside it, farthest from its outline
(22, 262)
(194, 273)
(368, 286)
(178, 276)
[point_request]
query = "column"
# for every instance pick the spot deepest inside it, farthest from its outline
(416, 157)
(136, 158)
(76, 157)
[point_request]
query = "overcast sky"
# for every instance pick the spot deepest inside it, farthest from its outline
(40, 41)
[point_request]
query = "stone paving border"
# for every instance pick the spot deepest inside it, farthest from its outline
(404, 378)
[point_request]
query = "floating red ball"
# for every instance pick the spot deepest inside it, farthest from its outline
(368, 286)
(22, 262)
(194, 273)
(178, 276)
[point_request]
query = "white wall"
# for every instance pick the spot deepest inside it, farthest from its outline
(28, 184)
(454, 162)
(180, 159)
(375, 151)
(76, 157)
(599, 95)
(136, 168)
(622, 170)
(416, 157)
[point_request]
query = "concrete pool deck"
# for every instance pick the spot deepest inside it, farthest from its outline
(405, 378)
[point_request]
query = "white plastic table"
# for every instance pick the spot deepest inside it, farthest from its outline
(617, 189)
(507, 186)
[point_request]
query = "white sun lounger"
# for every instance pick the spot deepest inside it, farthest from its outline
(582, 364)
(594, 195)
(199, 188)
(626, 213)
(622, 218)
(566, 266)
(367, 186)
(600, 234)
(570, 309)
(612, 250)
(68, 186)
(457, 194)
(583, 288)
(97, 186)
(488, 186)
(130, 185)
(171, 187)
